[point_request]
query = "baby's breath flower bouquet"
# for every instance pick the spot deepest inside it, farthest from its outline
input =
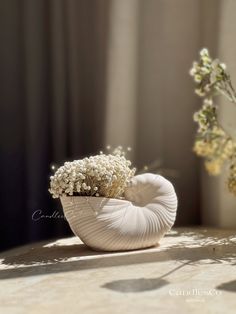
(212, 141)
(104, 175)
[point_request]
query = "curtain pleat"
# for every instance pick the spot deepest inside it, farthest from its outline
(52, 105)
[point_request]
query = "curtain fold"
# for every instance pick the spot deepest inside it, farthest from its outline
(122, 74)
(53, 76)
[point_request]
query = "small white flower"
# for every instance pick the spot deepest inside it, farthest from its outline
(192, 71)
(204, 52)
(197, 78)
(223, 65)
(208, 101)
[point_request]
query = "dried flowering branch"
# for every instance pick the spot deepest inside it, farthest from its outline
(211, 77)
(212, 141)
(104, 175)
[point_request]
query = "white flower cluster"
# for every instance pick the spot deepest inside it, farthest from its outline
(104, 175)
(206, 117)
(210, 76)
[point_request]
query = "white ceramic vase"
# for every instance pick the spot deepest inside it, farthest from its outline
(138, 221)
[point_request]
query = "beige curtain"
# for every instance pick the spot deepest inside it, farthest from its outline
(150, 98)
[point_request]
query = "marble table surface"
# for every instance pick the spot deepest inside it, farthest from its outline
(192, 270)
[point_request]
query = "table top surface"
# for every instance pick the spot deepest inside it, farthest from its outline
(193, 270)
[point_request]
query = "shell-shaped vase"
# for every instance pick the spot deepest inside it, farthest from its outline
(138, 221)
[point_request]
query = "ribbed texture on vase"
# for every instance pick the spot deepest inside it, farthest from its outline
(139, 221)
